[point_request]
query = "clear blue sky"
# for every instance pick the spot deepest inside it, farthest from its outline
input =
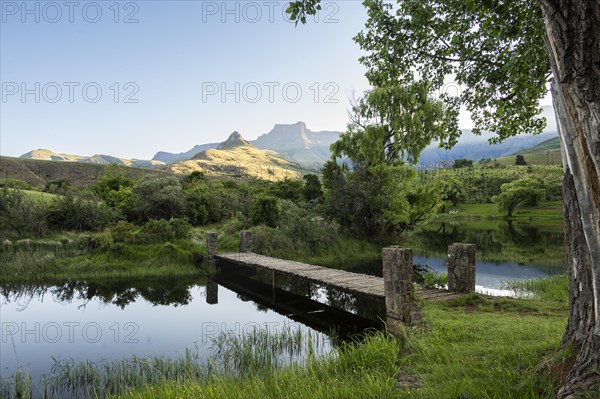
(177, 54)
(172, 59)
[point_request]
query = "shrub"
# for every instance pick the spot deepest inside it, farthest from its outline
(124, 232)
(288, 189)
(158, 197)
(15, 183)
(70, 212)
(520, 160)
(20, 215)
(163, 230)
(462, 163)
(57, 187)
(312, 190)
(433, 279)
(265, 211)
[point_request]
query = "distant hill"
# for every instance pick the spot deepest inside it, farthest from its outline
(552, 144)
(48, 155)
(168, 157)
(297, 143)
(480, 148)
(546, 153)
(236, 157)
(294, 141)
(39, 172)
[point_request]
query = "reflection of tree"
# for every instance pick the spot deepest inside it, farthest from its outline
(506, 241)
(437, 240)
(171, 292)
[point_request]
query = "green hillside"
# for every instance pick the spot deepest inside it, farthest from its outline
(38, 173)
(549, 145)
(236, 157)
(545, 153)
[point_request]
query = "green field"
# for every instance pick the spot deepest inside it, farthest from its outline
(38, 173)
(40, 196)
(545, 153)
(551, 210)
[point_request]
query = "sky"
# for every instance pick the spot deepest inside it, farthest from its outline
(131, 78)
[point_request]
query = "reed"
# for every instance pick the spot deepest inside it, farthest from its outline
(258, 352)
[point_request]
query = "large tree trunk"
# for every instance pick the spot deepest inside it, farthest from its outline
(573, 44)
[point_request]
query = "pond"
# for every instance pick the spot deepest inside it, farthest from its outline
(505, 251)
(106, 320)
(103, 321)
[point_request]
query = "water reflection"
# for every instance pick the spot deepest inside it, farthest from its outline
(171, 292)
(114, 319)
(511, 242)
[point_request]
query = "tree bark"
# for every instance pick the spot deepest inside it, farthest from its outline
(573, 44)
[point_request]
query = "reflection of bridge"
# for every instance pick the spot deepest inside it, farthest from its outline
(300, 308)
(395, 287)
(346, 281)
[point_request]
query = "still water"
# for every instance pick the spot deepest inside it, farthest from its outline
(99, 321)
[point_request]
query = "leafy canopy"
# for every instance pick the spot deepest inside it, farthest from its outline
(523, 191)
(393, 123)
(493, 49)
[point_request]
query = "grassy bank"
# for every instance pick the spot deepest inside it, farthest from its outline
(41, 260)
(471, 348)
(547, 211)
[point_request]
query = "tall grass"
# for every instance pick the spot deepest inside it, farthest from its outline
(258, 352)
(355, 370)
(42, 262)
(553, 288)
(18, 386)
(21, 264)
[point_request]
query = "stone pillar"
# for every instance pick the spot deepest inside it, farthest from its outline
(461, 268)
(211, 245)
(212, 292)
(245, 241)
(399, 295)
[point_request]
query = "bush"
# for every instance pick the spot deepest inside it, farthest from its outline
(462, 163)
(305, 229)
(15, 183)
(158, 197)
(162, 230)
(20, 215)
(205, 203)
(57, 187)
(312, 190)
(288, 189)
(265, 211)
(81, 213)
(433, 279)
(115, 189)
(124, 232)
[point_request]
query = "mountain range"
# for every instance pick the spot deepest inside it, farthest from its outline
(294, 144)
(48, 155)
(299, 144)
(236, 157)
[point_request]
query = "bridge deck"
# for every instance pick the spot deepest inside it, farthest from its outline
(354, 282)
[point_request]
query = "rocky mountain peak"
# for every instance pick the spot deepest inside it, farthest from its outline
(234, 140)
